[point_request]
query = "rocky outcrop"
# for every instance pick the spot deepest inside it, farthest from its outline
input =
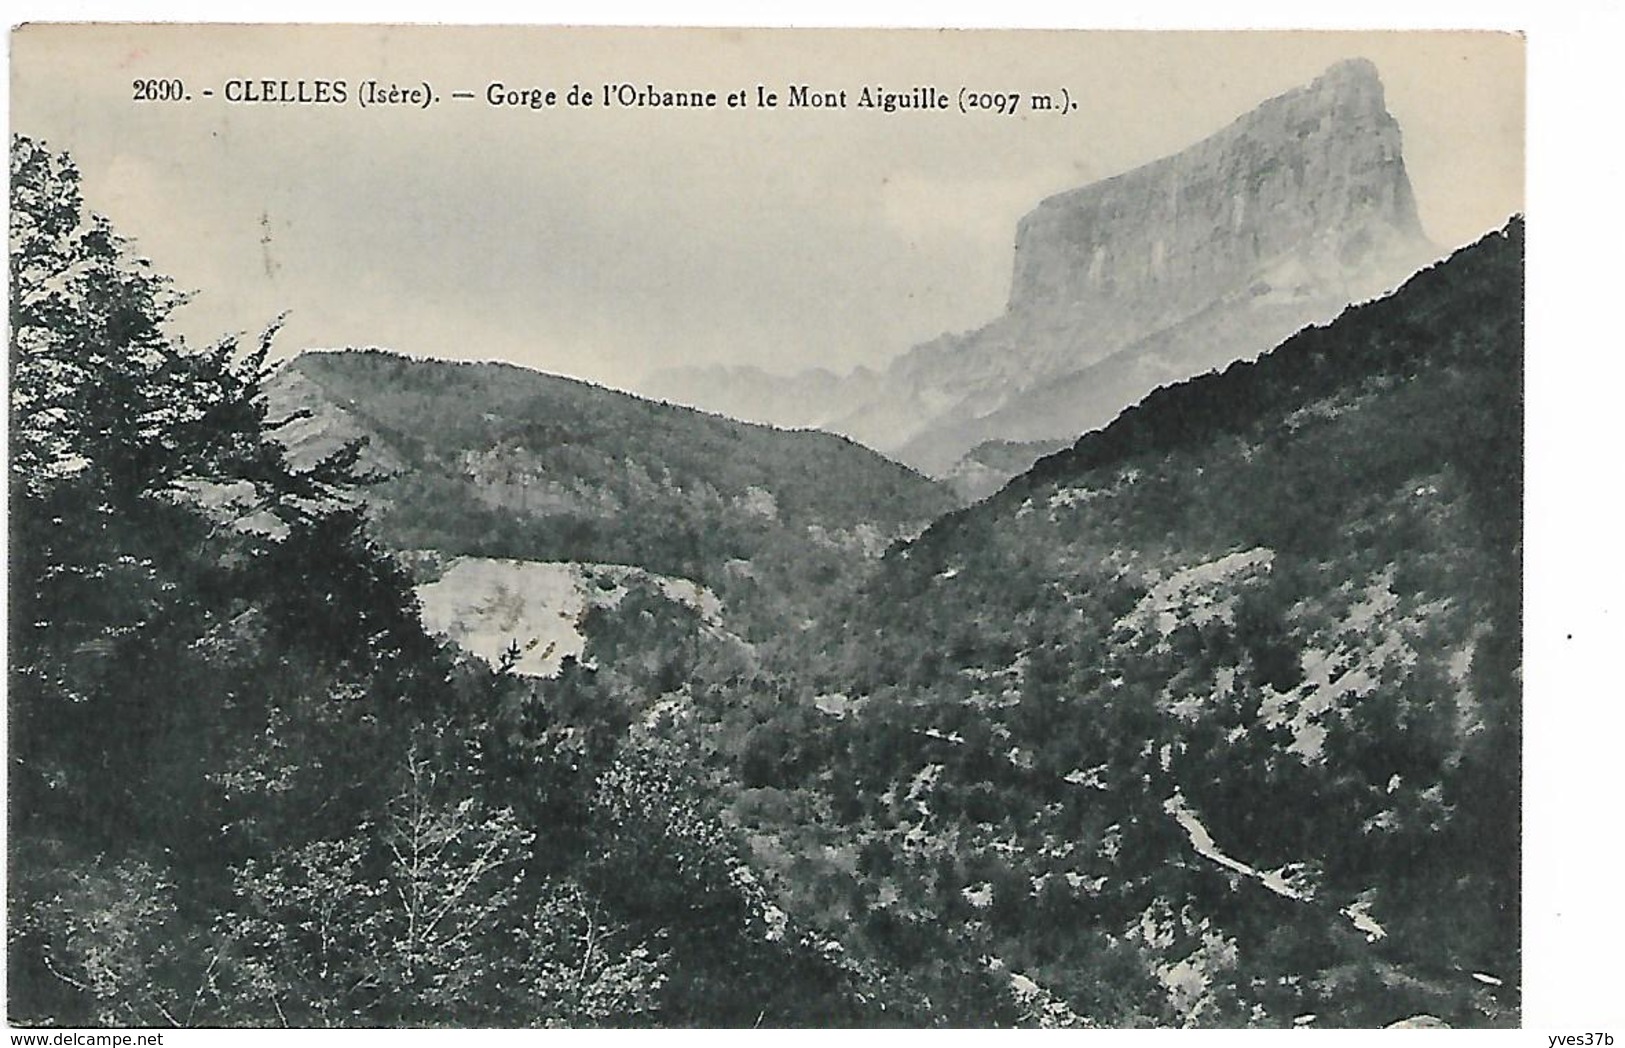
(1315, 176)
(529, 614)
(1419, 1022)
(1216, 253)
(312, 425)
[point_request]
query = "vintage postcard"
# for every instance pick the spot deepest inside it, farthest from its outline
(715, 528)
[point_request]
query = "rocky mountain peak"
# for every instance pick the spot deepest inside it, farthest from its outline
(1280, 220)
(1317, 172)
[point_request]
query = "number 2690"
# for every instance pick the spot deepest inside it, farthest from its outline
(158, 91)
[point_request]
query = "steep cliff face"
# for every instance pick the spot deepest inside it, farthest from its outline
(1219, 252)
(1279, 221)
(1316, 173)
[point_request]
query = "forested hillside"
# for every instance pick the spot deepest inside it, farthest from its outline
(1210, 719)
(496, 460)
(246, 788)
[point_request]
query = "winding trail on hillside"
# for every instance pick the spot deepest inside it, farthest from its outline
(1357, 913)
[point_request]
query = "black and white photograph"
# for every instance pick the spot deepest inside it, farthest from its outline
(765, 528)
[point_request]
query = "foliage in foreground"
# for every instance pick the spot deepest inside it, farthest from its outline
(246, 789)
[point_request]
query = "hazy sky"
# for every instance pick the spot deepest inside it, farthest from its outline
(608, 242)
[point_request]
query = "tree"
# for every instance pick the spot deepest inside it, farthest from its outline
(101, 395)
(88, 353)
(391, 923)
(146, 483)
(98, 941)
(161, 621)
(429, 915)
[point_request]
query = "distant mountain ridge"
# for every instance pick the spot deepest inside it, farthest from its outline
(1281, 220)
(494, 460)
